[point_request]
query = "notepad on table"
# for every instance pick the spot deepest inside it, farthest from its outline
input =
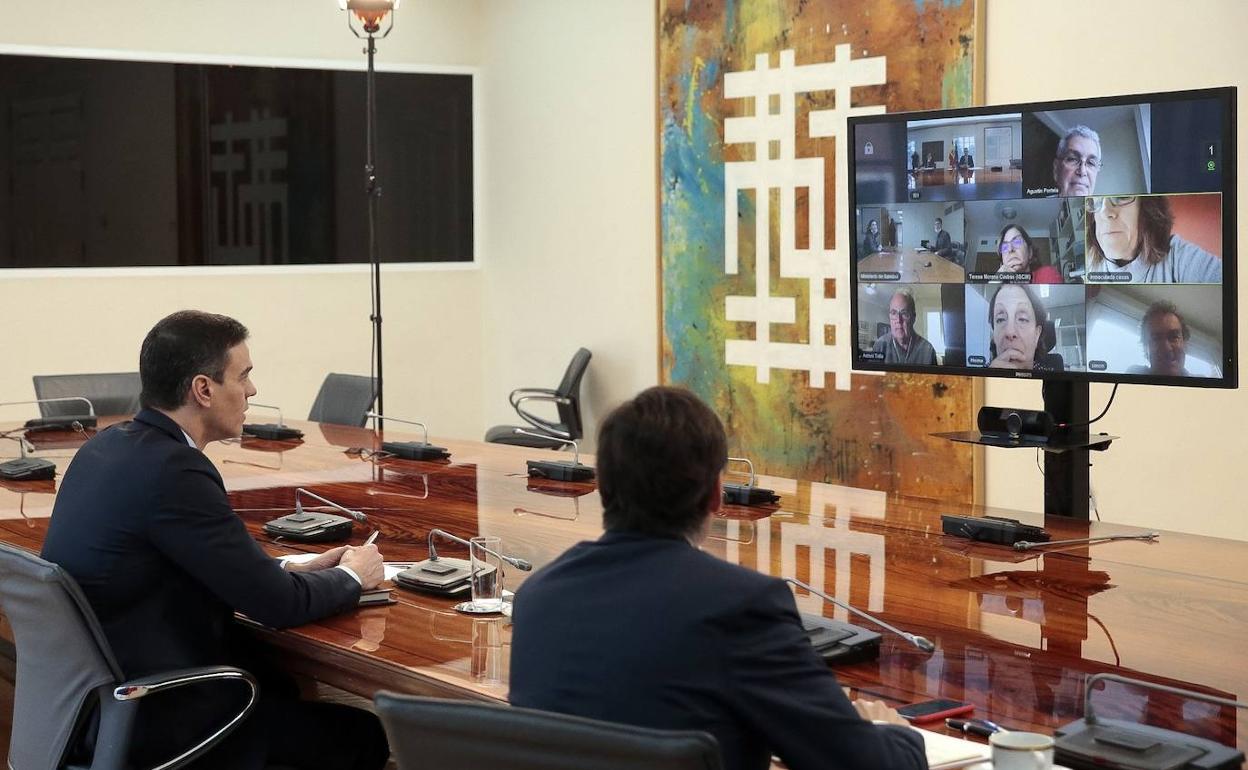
(946, 752)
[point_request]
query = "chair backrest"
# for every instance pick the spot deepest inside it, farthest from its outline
(63, 658)
(463, 735)
(344, 399)
(110, 394)
(570, 388)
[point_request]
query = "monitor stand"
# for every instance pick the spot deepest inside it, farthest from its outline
(1066, 479)
(1066, 464)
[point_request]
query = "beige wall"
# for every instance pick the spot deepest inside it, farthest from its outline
(570, 180)
(1180, 461)
(303, 323)
(302, 327)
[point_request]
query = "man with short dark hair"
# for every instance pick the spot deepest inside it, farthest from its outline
(1164, 333)
(642, 627)
(943, 247)
(143, 524)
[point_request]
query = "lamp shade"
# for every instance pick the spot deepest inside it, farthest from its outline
(368, 5)
(369, 12)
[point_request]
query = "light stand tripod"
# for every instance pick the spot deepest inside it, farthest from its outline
(371, 13)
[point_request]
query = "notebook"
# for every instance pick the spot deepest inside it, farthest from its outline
(945, 752)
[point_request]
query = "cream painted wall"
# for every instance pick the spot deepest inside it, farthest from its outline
(570, 181)
(1180, 460)
(303, 323)
(302, 327)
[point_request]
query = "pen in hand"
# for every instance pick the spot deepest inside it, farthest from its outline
(372, 537)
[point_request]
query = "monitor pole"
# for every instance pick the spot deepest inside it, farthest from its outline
(1066, 478)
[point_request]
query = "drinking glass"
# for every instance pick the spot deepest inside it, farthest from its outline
(487, 574)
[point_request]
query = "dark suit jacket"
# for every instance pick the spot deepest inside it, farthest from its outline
(944, 244)
(143, 524)
(651, 631)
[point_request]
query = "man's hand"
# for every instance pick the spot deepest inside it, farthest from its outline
(878, 711)
(365, 561)
(324, 560)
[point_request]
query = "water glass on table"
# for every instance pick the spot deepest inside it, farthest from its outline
(487, 574)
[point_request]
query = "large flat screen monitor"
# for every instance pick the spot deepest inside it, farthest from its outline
(1080, 240)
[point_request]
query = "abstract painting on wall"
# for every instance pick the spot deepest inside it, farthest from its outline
(755, 250)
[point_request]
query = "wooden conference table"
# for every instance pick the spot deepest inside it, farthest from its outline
(912, 266)
(1016, 633)
(935, 177)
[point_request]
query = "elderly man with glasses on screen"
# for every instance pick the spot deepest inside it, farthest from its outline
(902, 344)
(1077, 162)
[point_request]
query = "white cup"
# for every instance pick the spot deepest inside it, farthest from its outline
(1021, 751)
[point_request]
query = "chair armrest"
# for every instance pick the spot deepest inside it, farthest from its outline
(169, 680)
(529, 392)
(553, 399)
(545, 426)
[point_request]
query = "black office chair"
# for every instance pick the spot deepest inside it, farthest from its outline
(567, 401)
(344, 399)
(110, 394)
(463, 735)
(66, 674)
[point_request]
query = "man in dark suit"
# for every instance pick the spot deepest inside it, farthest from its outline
(944, 244)
(143, 524)
(642, 627)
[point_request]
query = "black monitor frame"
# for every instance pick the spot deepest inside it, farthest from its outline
(1230, 373)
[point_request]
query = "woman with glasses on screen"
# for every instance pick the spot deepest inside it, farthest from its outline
(1133, 234)
(1018, 320)
(1018, 255)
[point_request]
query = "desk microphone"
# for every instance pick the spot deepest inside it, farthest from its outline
(74, 422)
(314, 526)
(26, 468)
(278, 431)
(410, 450)
(922, 643)
(447, 576)
(558, 470)
(1099, 742)
(357, 515)
(518, 563)
(1027, 545)
(747, 493)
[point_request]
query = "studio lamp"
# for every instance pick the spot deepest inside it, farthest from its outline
(371, 13)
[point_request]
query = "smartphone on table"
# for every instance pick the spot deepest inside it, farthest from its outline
(934, 710)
